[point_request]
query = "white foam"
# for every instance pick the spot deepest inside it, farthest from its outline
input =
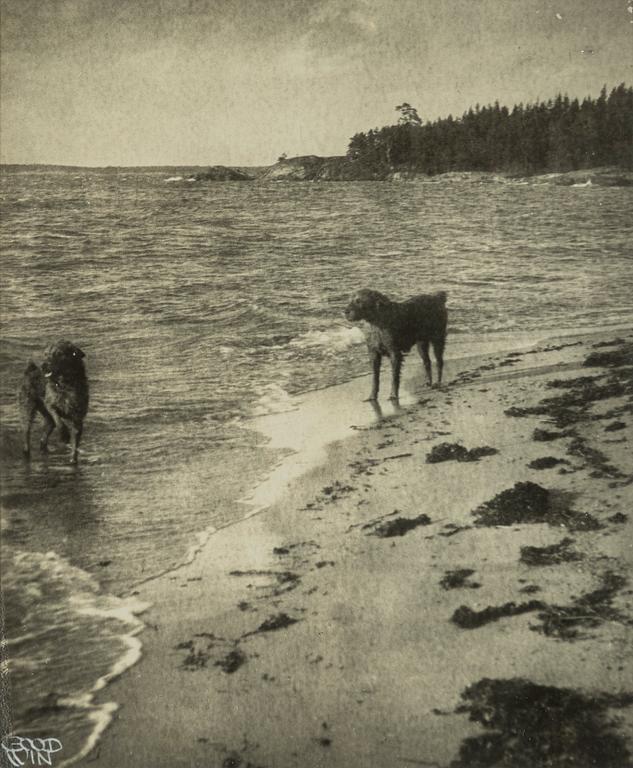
(173, 178)
(337, 338)
(273, 399)
(101, 717)
(101, 714)
(78, 593)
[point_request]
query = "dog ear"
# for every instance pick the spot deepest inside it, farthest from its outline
(377, 303)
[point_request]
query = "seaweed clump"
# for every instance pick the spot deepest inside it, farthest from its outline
(600, 466)
(589, 610)
(232, 661)
(456, 452)
(540, 726)
(552, 555)
(399, 526)
(528, 502)
(612, 359)
(546, 462)
(466, 618)
(546, 435)
(280, 621)
(580, 393)
(458, 579)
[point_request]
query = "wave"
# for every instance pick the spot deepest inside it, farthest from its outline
(272, 399)
(337, 338)
(62, 614)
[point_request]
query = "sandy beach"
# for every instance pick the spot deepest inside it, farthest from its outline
(439, 584)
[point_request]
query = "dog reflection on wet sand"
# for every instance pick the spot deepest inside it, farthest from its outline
(394, 327)
(58, 390)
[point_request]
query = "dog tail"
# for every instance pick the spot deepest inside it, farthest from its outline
(441, 295)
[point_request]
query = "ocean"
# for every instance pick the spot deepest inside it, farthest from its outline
(201, 306)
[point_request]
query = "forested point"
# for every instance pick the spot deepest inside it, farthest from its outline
(554, 136)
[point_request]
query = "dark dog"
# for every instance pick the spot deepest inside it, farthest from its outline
(396, 326)
(59, 391)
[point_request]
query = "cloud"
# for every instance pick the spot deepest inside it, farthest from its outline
(342, 26)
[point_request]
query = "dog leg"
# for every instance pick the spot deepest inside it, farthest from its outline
(423, 349)
(438, 349)
(28, 414)
(76, 437)
(376, 361)
(50, 426)
(396, 366)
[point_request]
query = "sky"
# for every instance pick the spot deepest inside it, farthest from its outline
(239, 82)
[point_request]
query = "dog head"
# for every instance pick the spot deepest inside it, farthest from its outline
(62, 357)
(367, 305)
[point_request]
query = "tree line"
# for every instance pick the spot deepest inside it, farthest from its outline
(561, 134)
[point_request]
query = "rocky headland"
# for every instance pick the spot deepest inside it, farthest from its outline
(341, 168)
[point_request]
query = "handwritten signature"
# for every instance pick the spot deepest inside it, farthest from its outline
(21, 750)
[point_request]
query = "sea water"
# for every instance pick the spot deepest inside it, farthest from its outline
(200, 306)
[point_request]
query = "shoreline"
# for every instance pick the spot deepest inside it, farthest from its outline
(254, 549)
(339, 169)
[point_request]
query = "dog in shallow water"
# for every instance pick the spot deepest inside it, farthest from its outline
(394, 327)
(58, 390)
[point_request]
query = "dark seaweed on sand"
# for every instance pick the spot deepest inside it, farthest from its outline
(466, 618)
(615, 426)
(615, 342)
(398, 527)
(587, 611)
(232, 661)
(552, 555)
(613, 359)
(538, 726)
(572, 405)
(581, 381)
(196, 659)
(280, 621)
(529, 502)
(600, 466)
(546, 462)
(458, 578)
(456, 452)
(546, 435)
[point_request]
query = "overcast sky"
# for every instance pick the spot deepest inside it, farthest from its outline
(238, 82)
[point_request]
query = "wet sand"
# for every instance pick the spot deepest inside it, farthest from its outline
(382, 609)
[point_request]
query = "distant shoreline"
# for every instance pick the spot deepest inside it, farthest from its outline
(339, 168)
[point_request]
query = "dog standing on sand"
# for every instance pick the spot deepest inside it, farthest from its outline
(394, 327)
(59, 391)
